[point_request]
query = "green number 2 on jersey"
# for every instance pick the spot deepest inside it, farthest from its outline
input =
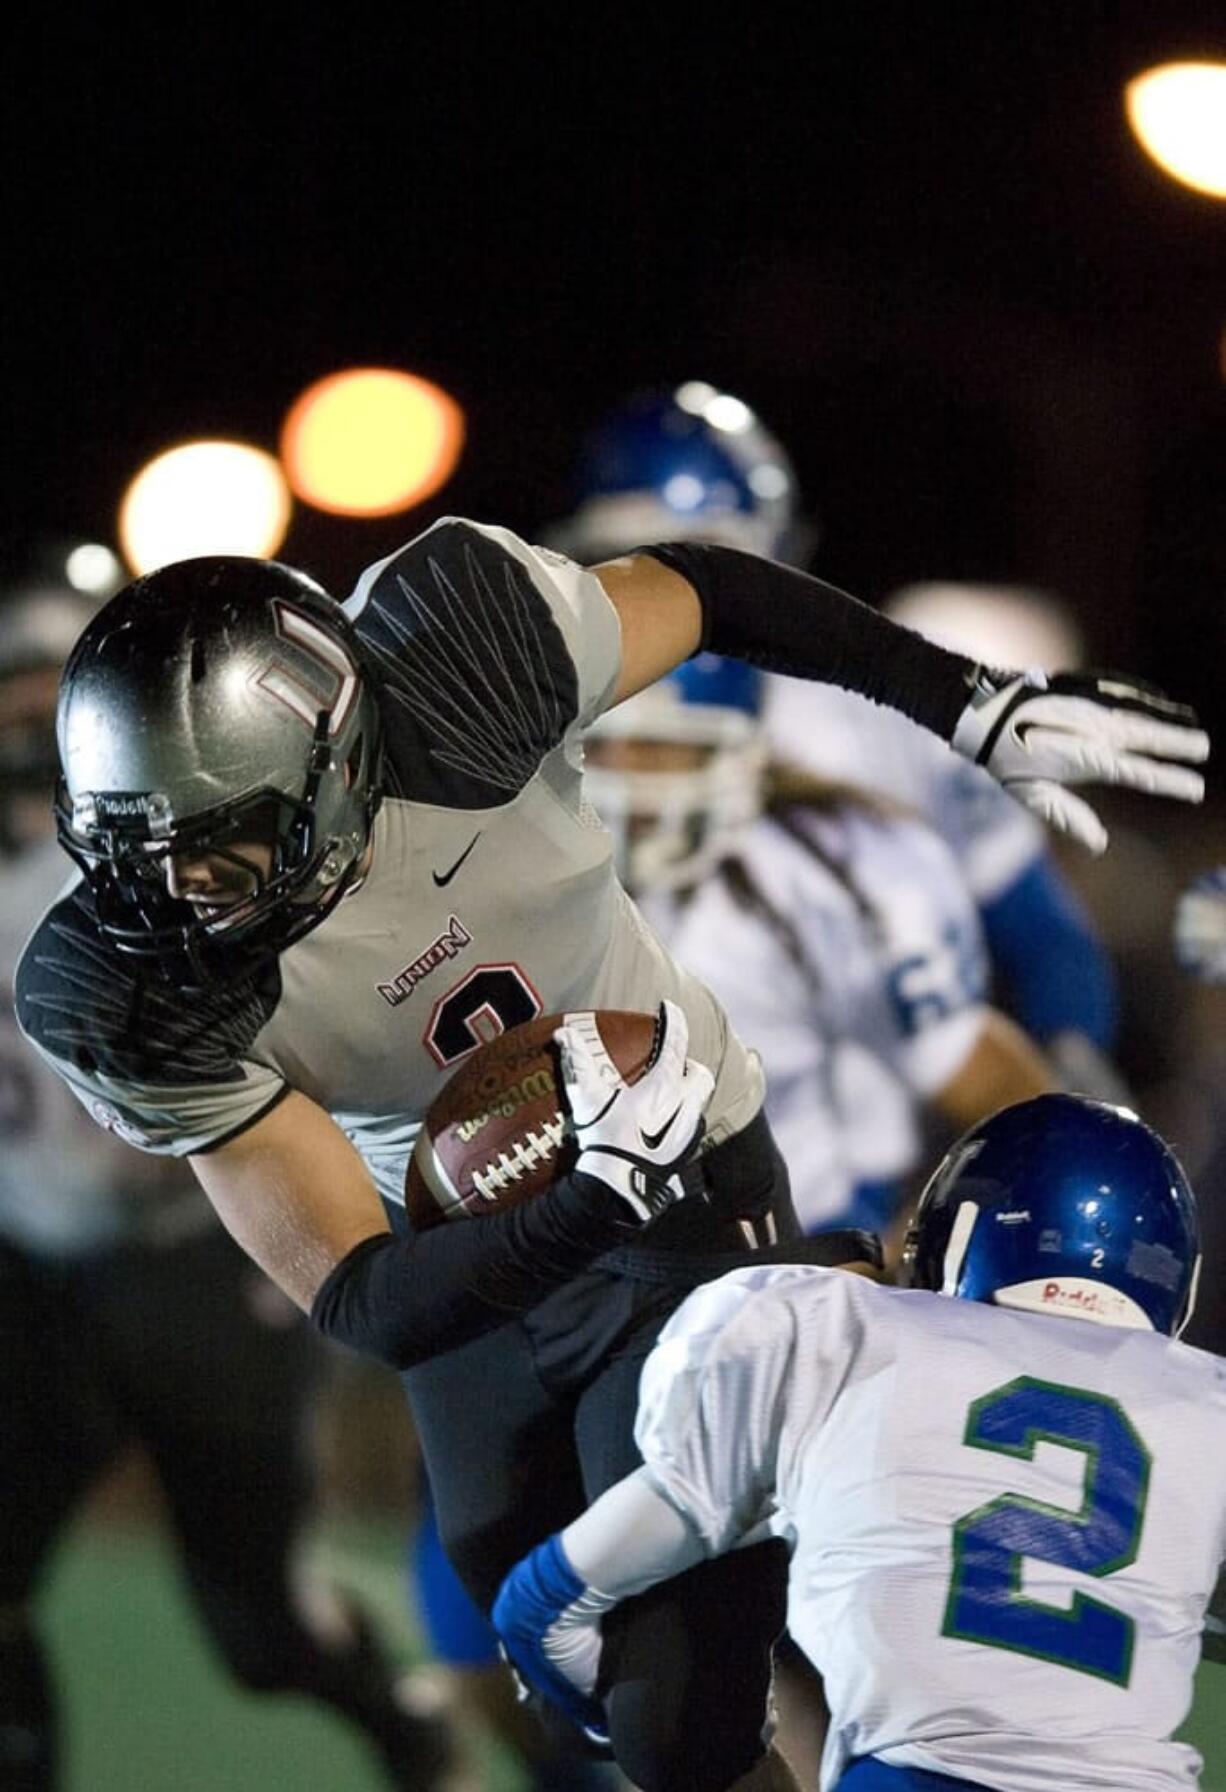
(991, 1544)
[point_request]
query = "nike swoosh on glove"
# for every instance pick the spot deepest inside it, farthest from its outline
(1200, 927)
(635, 1137)
(1037, 733)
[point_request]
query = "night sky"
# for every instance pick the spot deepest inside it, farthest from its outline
(919, 239)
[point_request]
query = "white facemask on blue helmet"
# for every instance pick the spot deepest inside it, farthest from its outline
(675, 814)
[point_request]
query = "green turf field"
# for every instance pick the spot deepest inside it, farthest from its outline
(146, 1707)
(148, 1710)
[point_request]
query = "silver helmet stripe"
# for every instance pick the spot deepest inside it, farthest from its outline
(281, 682)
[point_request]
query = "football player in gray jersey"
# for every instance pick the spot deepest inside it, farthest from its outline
(326, 850)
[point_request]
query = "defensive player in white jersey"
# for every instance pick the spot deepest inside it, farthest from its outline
(325, 851)
(128, 1316)
(824, 919)
(696, 463)
(1005, 1511)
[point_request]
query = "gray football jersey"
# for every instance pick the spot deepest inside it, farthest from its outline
(491, 896)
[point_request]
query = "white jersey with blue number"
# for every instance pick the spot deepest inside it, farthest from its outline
(841, 735)
(1005, 1527)
(880, 948)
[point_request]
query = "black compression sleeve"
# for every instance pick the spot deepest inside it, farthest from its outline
(405, 1299)
(783, 619)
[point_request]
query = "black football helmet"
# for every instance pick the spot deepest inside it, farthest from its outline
(214, 703)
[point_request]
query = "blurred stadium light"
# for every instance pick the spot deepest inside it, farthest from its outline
(93, 568)
(1178, 112)
(1006, 625)
(369, 441)
(204, 498)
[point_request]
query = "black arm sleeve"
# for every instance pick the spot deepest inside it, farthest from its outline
(786, 621)
(405, 1299)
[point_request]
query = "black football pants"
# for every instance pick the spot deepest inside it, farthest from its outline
(520, 1429)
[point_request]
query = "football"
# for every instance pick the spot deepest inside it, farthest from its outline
(496, 1134)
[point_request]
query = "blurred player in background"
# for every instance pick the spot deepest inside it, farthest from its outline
(1199, 925)
(824, 917)
(1003, 1522)
(696, 463)
(127, 1315)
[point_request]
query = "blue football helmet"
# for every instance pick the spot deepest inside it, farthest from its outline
(675, 773)
(1061, 1205)
(689, 464)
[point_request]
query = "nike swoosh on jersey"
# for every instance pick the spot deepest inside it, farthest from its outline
(444, 877)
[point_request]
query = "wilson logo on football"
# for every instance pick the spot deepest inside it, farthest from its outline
(519, 1095)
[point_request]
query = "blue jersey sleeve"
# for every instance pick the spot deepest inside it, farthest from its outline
(1056, 974)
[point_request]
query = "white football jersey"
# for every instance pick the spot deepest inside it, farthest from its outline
(1005, 1527)
(491, 897)
(841, 735)
(868, 937)
(65, 1190)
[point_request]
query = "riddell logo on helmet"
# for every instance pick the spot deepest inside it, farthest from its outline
(1093, 1300)
(116, 805)
(1089, 1300)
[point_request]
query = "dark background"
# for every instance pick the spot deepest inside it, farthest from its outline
(921, 240)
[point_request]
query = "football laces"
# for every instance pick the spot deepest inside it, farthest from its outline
(522, 1158)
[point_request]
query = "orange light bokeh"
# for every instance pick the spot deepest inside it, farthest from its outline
(1178, 114)
(370, 441)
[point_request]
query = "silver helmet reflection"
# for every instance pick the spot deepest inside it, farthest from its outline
(215, 706)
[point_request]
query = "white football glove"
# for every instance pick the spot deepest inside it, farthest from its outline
(1200, 927)
(1038, 732)
(634, 1137)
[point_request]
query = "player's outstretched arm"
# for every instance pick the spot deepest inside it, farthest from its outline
(1002, 1067)
(1038, 735)
(549, 1608)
